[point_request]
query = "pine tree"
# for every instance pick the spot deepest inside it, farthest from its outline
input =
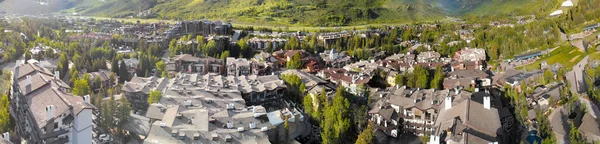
(114, 66)
(123, 72)
(366, 136)
(4, 114)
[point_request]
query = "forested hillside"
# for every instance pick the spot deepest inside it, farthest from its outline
(300, 12)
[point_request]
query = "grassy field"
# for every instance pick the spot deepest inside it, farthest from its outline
(566, 55)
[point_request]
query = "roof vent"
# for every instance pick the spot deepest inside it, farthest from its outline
(252, 125)
(264, 129)
(229, 124)
(230, 106)
(174, 133)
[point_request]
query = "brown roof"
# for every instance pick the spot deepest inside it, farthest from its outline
(472, 73)
(473, 119)
(43, 94)
(29, 69)
(186, 57)
(336, 74)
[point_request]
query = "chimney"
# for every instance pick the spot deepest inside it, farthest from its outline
(448, 103)
(229, 124)
(486, 102)
(49, 112)
(6, 136)
(57, 75)
(86, 98)
(252, 125)
(27, 85)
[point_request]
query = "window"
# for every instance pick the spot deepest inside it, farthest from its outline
(55, 126)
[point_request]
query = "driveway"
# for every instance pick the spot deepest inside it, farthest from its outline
(576, 77)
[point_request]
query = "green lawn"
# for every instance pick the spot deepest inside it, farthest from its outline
(566, 55)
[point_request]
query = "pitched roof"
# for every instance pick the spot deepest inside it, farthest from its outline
(471, 119)
(589, 127)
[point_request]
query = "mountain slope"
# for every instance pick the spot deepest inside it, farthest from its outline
(300, 12)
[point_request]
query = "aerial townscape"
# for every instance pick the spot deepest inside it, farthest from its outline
(299, 72)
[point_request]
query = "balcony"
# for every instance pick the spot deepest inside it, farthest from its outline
(54, 134)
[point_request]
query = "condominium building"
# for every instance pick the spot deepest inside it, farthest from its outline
(44, 111)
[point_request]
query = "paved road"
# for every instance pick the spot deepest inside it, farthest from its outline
(576, 77)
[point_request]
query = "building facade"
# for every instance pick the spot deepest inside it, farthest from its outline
(45, 112)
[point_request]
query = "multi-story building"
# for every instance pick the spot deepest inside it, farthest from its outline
(351, 80)
(132, 65)
(262, 44)
(474, 120)
(239, 67)
(429, 56)
(466, 78)
(187, 63)
(203, 28)
(222, 109)
(412, 110)
(336, 60)
(104, 77)
(138, 89)
(44, 111)
(470, 54)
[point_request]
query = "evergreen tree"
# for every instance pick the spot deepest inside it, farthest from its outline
(123, 72)
(366, 136)
(63, 64)
(438, 78)
(4, 114)
(154, 96)
(399, 80)
(295, 62)
(114, 65)
(123, 111)
(81, 87)
(161, 69)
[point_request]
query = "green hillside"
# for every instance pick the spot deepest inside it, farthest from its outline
(302, 12)
(290, 12)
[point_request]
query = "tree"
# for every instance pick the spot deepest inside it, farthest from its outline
(438, 78)
(74, 75)
(63, 64)
(399, 80)
(4, 114)
(123, 111)
(336, 118)
(161, 69)
(81, 87)
(224, 55)
(154, 96)
(27, 55)
(286, 127)
(97, 82)
(308, 104)
(548, 76)
(123, 72)
(575, 136)
(366, 136)
(295, 62)
(114, 65)
(419, 78)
